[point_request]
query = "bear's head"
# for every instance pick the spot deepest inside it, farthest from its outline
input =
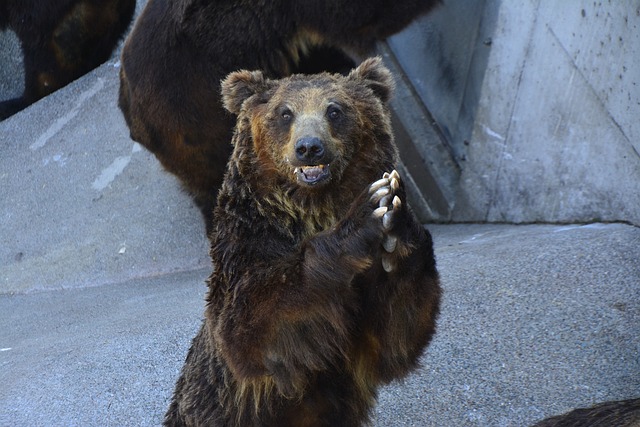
(313, 131)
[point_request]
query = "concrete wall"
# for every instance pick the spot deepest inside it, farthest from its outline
(439, 62)
(557, 131)
(538, 103)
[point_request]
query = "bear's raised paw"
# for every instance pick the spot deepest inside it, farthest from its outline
(383, 193)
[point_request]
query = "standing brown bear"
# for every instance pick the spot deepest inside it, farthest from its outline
(178, 52)
(325, 284)
(61, 40)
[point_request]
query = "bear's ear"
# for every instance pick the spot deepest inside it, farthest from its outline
(238, 86)
(376, 76)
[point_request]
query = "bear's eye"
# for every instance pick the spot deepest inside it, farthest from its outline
(333, 112)
(286, 115)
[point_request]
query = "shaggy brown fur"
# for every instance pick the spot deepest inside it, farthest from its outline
(325, 284)
(623, 413)
(178, 52)
(61, 40)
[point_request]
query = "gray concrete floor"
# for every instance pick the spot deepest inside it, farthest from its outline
(102, 267)
(536, 320)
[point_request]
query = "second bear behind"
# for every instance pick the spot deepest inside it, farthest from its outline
(178, 52)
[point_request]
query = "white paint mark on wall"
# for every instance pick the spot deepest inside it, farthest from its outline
(5, 349)
(109, 174)
(492, 133)
(62, 121)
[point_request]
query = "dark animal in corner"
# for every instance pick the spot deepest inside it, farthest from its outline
(178, 51)
(61, 40)
(324, 284)
(622, 413)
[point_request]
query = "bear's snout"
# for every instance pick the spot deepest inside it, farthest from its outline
(313, 158)
(309, 150)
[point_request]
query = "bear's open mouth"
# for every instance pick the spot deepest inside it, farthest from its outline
(312, 175)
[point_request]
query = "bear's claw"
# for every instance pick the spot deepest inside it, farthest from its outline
(387, 264)
(389, 243)
(380, 193)
(387, 219)
(378, 184)
(379, 212)
(396, 202)
(394, 184)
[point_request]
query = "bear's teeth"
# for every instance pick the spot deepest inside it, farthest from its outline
(312, 172)
(306, 168)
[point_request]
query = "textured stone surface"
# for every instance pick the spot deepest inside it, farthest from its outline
(535, 320)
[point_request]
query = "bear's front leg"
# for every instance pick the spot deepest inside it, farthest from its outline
(401, 304)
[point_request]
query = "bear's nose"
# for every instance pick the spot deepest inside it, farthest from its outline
(309, 149)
